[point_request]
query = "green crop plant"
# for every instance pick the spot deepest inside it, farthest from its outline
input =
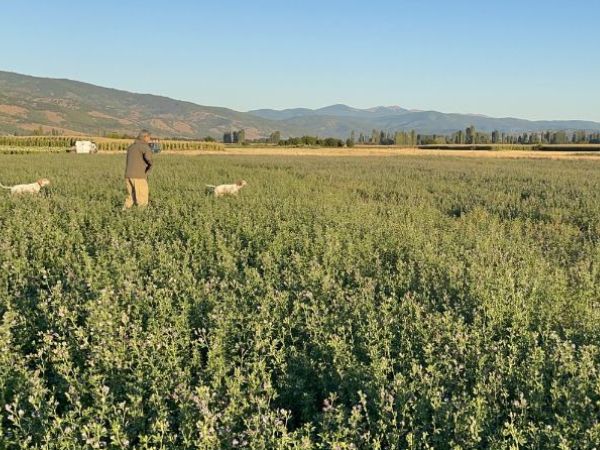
(412, 302)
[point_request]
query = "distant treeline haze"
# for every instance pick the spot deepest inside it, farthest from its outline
(412, 138)
(471, 136)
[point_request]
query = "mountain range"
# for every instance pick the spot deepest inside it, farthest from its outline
(71, 107)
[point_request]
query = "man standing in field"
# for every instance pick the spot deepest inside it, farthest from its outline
(139, 164)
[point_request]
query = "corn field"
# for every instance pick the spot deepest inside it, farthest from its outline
(104, 144)
(413, 302)
(169, 145)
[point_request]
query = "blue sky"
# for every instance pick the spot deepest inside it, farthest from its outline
(529, 58)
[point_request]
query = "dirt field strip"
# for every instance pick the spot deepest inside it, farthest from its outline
(363, 152)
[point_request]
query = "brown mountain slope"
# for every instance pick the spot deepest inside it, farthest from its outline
(27, 103)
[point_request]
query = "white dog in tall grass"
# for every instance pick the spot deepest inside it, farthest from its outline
(225, 189)
(31, 188)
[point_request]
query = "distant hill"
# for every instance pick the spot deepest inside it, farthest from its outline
(26, 103)
(343, 119)
(72, 107)
(330, 111)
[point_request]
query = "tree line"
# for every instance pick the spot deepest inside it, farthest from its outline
(238, 137)
(471, 136)
(234, 137)
(312, 141)
(468, 136)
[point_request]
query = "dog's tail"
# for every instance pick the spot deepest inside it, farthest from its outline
(5, 187)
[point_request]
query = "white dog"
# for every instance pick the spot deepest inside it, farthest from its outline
(225, 189)
(32, 188)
